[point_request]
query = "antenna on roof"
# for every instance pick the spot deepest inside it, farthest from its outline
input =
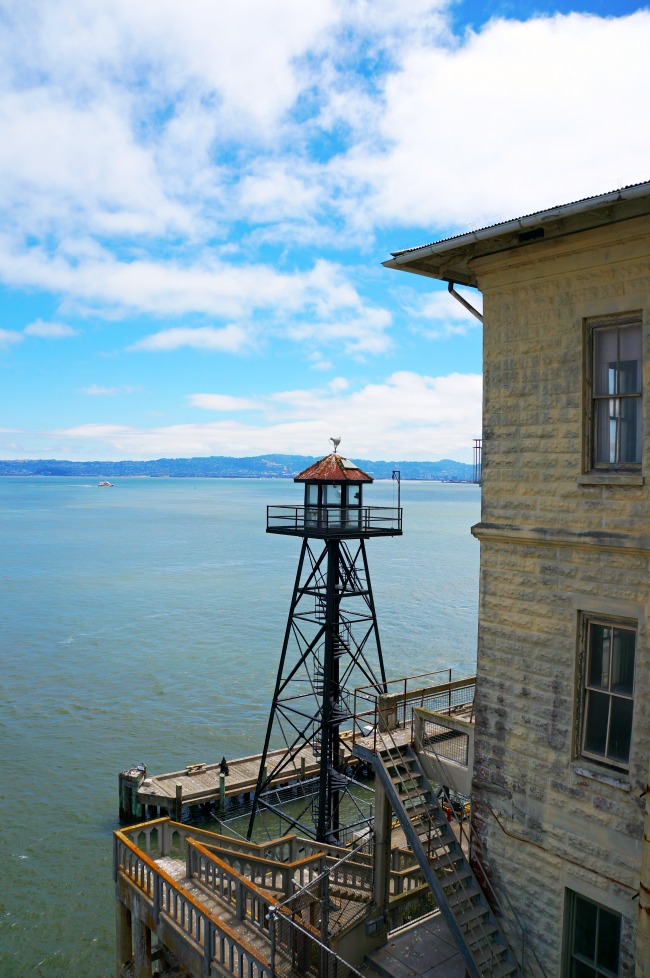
(336, 442)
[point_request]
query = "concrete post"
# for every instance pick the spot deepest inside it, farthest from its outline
(643, 916)
(222, 792)
(141, 948)
(123, 938)
(381, 854)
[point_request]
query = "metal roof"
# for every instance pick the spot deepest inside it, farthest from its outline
(448, 259)
(333, 468)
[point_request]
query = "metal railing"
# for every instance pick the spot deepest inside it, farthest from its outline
(502, 907)
(384, 711)
(349, 520)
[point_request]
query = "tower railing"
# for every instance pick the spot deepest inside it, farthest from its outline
(334, 520)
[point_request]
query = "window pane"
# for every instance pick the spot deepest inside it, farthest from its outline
(630, 429)
(584, 937)
(606, 359)
(597, 712)
(605, 428)
(620, 729)
(332, 495)
(600, 638)
(581, 970)
(629, 355)
(609, 937)
(623, 661)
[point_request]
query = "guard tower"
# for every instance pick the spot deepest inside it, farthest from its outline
(331, 643)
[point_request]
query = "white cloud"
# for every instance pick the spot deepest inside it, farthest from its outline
(507, 121)
(8, 338)
(222, 402)
(94, 390)
(230, 339)
(408, 416)
(50, 331)
(438, 314)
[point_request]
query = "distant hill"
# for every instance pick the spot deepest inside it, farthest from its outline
(224, 467)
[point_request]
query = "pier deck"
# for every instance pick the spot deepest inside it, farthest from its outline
(201, 784)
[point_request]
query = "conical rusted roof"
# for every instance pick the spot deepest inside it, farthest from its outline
(333, 468)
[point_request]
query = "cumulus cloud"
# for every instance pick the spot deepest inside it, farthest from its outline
(407, 416)
(49, 331)
(230, 339)
(437, 314)
(95, 390)
(222, 402)
(508, 120)
(8, 338)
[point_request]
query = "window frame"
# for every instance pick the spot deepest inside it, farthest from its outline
(588, 691)
(572, 955)
(592, 327)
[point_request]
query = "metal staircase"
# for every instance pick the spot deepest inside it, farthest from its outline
(442, 861)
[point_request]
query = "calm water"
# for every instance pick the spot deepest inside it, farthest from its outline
(144, 623)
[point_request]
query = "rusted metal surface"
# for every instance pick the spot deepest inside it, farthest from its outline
(333, 468)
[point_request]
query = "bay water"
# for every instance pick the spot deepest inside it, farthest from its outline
(144, 622)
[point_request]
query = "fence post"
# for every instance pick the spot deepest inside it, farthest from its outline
(178, 805)
(208, 930)
(240, 906)
(157, 883)
(272, 939)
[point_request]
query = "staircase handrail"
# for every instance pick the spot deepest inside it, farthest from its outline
(507, 914)
(411, 793)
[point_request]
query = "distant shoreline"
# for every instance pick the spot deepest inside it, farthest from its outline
(227, 467)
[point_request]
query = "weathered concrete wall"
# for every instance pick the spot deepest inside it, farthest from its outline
(553, 547)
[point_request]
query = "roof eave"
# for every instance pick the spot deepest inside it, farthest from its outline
(449, 260)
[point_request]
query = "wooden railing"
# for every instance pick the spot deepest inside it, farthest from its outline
(210, 936)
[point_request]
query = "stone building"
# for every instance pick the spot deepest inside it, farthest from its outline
(562, 706)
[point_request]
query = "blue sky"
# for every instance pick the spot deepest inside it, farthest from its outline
(197, 198)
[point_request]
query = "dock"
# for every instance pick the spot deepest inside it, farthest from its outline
(198, 784)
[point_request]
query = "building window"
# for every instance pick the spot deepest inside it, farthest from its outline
(593, 939)
(608, 692)
(616, 392)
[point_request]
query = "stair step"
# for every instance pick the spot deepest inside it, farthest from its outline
(482, 931)
(466, 894)
(418, 807)
(433, 827)
(504, 969)
(486, 954)
(407, 780)
(461, 875)
(448, 859)
(469, 917)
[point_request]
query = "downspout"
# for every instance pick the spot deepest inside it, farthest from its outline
(470, 308)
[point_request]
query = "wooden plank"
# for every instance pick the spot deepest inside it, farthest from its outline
(201, 783)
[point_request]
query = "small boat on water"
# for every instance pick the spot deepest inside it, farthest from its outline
(104, 483)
